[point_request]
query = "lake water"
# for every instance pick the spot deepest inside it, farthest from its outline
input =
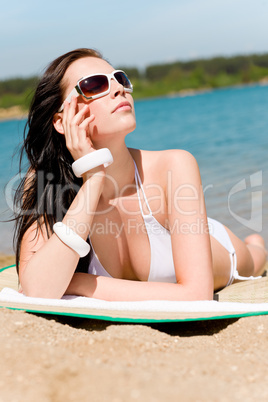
(227, 132)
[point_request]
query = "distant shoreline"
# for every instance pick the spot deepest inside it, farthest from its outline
(17, 113)
(14, 112)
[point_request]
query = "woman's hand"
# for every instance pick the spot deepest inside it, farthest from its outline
(76, 129)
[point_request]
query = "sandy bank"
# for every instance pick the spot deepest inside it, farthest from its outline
(14, 112)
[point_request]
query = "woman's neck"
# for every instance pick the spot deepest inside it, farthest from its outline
(120, 174)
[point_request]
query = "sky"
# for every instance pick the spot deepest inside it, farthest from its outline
(133, 33)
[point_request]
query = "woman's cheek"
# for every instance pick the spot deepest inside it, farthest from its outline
(101, 122)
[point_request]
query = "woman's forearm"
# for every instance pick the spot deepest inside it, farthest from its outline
(50, 269)
(113, 289)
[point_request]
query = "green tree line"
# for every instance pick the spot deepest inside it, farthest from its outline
(217, 72)
(162, 79)
(17, 92)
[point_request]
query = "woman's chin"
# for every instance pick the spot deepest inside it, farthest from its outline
(123, 129)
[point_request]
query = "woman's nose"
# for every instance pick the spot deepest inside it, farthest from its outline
(116, 88)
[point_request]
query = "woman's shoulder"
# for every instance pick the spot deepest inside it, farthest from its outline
(163, 160)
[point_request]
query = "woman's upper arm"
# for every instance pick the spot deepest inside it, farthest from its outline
(188, 223)
(33, 239)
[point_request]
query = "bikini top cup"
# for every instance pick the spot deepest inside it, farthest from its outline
(162, 265)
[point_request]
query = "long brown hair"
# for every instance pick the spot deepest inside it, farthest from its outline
(46, 192)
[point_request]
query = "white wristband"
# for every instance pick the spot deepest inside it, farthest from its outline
(71, 239)
(90, 161)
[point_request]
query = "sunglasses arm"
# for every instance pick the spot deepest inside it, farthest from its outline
(69, 98)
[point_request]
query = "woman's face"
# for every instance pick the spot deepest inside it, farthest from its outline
(109, 118)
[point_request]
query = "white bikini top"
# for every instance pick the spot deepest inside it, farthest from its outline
(162, 265)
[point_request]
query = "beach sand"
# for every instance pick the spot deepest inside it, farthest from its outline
(48, 358)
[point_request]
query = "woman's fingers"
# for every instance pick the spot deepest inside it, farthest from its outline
(69, 109)
(65, 121)
(87, 121)
(84, 137)
(76, 128)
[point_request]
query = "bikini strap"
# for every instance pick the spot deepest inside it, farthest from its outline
(234, 272)
(138, 187)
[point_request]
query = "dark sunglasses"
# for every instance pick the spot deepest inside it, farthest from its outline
(96, 85)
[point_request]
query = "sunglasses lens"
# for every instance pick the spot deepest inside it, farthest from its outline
(94, 85)
(123, 79)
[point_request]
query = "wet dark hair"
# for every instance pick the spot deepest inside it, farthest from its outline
(46, 192)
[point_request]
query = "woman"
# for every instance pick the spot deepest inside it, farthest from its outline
(143, 214)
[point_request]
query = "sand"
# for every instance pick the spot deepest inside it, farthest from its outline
(47, 358)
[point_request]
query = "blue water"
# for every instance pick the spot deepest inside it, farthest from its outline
(227, 132)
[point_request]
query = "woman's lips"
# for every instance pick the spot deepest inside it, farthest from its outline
(123, 106)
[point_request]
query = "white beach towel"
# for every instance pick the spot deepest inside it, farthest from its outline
(146, 311)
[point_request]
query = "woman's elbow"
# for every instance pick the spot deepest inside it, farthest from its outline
(31, 289)
(198, 292)
(35, 293)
